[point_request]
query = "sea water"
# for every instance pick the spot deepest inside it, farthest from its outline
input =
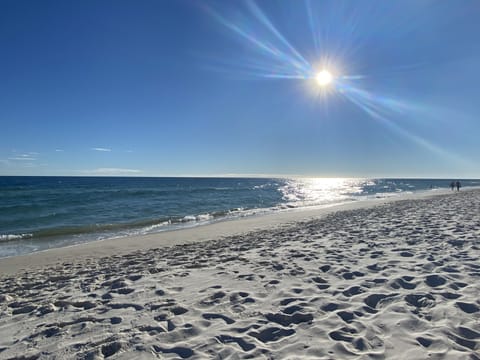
(38, 213)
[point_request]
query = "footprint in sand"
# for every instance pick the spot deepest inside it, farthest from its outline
(124, 291)
(329, 307)
(435, 280)
(125, 306)
(352, 275)
(420, 300)
(112, 348)
(319, 280)
(24, 310)
(248, 277)
(241, 297)
(346, 316)
(374, 300)
(469, 308)
(272, 283)
(226, 339)
(151, 330)
(213, 299)
(115, 320)
(468, 333)
(178, 310)
(165, 304)
(470, 344)
(376, 268)
(343, 334)
(271, 334)
(212, 316)
(352, 291)
(325, 268)
(182, 352)
(134, 277)
(402, 283)
(449, 295)
(287, 320)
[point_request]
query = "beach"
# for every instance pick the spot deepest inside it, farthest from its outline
(370, 280)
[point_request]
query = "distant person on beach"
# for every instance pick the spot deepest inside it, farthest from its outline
(458, 185)
(452, 185)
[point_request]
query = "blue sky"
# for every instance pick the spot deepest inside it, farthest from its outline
(157, 88)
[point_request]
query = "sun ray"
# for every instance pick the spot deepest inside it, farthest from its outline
(275, 57)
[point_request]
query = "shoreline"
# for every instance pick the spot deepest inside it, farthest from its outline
(224, 228)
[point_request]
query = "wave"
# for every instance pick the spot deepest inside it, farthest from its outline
(12, 237)
(138, 227)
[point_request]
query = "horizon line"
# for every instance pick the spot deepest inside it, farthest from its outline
(253, 176)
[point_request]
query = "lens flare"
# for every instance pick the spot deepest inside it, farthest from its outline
(273, 55)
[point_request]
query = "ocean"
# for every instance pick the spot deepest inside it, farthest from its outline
(38, 213)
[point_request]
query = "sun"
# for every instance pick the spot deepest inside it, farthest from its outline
(324, 78)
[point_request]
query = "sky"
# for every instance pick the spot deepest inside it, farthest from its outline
(226, 88)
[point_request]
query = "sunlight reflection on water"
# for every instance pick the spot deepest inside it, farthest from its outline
(317, 191)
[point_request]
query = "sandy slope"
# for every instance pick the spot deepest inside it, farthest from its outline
(395, 281)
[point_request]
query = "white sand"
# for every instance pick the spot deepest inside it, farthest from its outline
(383, 281)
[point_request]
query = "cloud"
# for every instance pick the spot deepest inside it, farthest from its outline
(17, 156)
(59, 150)
(101, 149)
(111, 171)
(23, 158)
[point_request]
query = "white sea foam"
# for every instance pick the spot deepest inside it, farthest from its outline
(11, 237)
(203, 217)
(154, 227)
(189, 218)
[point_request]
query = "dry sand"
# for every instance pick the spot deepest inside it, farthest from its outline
(399, 280)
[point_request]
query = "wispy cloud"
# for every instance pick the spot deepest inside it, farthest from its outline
(101, 149)
(59, 150)
(111, 171)
(31, 156)
(18, 158)
(24, 158)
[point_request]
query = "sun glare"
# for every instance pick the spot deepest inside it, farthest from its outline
(324, 78)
